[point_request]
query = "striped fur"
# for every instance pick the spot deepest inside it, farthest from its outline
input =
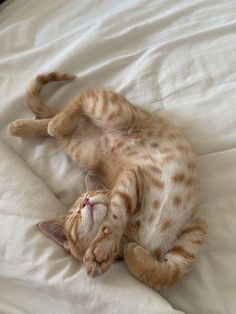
(33, 93)
(148, 211)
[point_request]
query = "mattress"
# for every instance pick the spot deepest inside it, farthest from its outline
(174, 56)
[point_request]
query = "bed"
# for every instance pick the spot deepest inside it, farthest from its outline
(175, 56)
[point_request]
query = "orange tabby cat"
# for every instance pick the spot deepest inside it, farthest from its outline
(147, 211)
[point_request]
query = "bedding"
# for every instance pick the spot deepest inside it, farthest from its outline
(174, 56)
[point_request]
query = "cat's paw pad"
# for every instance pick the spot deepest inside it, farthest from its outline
(101, 253)
(15, 128)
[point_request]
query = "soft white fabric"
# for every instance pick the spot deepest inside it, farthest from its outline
(178, 56)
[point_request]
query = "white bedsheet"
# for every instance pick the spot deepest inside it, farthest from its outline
(179, 56)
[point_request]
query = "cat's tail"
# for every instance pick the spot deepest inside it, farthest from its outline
(33, 93)
(170, 268)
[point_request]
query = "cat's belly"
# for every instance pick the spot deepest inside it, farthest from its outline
(160, 221)
(116, 142)
(151, 237)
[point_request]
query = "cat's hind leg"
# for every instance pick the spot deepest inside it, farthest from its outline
(28, 128)
(173, 265)
(104, 107)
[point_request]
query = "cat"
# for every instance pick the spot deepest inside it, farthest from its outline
(141, 202)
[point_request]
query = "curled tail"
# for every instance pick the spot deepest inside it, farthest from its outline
(174, 264)
(33, 93)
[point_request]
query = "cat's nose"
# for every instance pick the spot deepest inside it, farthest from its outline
(86, 202)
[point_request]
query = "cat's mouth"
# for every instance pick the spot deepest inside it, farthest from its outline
(89, 204)
(94, 211)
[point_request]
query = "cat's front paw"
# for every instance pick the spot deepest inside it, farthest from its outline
(61, 125)
(101, 253)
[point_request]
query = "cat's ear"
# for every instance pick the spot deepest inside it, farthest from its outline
(93, 184)
(55, 231)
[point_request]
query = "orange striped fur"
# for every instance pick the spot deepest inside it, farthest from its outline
(141, 201)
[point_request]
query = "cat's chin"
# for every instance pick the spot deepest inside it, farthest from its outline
(99, 212)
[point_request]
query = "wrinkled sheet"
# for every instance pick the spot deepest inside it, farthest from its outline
(176, 56)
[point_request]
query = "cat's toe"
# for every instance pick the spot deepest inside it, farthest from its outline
(93, 267)
(15, 128)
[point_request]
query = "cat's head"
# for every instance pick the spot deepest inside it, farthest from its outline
(82, 222)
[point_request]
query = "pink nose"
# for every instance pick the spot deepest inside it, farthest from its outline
(86, 202)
